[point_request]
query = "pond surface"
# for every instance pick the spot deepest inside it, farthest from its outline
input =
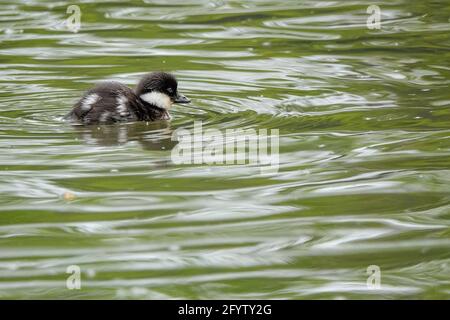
(364, 152)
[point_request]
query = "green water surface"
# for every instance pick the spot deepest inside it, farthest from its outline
(364, 155)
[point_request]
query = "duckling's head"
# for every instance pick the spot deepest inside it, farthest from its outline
(160, 89)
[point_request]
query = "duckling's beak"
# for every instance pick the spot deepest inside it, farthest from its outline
(180, 98)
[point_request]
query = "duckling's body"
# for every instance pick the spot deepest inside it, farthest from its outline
(110, 102)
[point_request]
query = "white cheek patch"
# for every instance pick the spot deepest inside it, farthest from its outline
(87, 103)
(158, 99)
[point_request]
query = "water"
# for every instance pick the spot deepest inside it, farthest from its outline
(363, 180)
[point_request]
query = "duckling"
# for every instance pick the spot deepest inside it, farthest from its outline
(111, 102)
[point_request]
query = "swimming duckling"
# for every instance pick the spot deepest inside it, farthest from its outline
(110, 102)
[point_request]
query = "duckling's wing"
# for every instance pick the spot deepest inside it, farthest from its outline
(107, 102)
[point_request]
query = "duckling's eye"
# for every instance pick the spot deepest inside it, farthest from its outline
(170, 90)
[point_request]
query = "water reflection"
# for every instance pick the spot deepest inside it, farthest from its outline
(150, 135)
